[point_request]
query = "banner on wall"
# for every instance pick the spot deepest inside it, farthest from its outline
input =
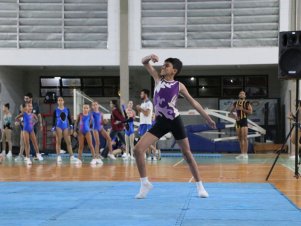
(258, 106)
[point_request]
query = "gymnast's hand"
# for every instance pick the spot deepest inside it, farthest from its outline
(154, 58)
(211, 123)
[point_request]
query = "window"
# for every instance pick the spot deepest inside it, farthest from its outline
(256, 86)
(96, 86)
(202, 86)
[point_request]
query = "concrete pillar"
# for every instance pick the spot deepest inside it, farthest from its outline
(124, 52)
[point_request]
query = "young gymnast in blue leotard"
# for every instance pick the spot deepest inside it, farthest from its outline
(84, 123)
(62, 127)
(129, 132)
(29, 120)
(98, 128)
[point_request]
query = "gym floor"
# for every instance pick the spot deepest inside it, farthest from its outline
(213, 167)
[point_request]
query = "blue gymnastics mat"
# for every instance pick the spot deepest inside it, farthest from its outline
(113, 203)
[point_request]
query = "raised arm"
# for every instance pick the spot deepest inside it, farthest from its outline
(196, 105)
(151, 70)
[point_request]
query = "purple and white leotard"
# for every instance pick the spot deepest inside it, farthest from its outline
(165, 99)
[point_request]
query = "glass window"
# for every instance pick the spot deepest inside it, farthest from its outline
(256, 81)
(193, 91)
(66, 92)
(188, 81)
(256, 91)
(110, 92)
(207, 91)
(92, 82)
(44, 91)
(93, 92)
(231, 92)
(50, 82)
(111, 81)
(209, 81)
(233, 81)
(71, 82)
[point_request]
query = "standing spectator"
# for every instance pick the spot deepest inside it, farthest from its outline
(7, 131)
(117, 120)
(145, 113)
(19, 123)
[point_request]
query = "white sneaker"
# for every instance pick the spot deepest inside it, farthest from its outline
(144, 190)
(93, 162)
(149, 158)
(59, 160)
(9, 154)
(246, 156)
(19, 158)
(28, 161)
(132, 158)
(154, 158)
(202, 193)
(39, 156)
(3, 153)
(111, 156)
(78, 162)
(124, 155)
(74, 160)
(239, 156)
(99, 161)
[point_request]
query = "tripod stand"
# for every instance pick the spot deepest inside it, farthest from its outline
(295, 126)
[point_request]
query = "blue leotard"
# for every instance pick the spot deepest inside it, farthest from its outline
(61, 118)
(97, 117)
(131, 130)
(85, 123)
(28, 122)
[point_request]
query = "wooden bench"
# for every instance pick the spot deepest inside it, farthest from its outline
(268, 147)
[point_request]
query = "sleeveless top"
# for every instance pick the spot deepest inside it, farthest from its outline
(97, 117)
(245, 105)
(62, 121)
(165, 99)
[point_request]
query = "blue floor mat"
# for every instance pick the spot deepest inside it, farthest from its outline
(113, 203)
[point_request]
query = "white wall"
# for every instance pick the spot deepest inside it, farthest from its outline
(216, 56)
(75, 57)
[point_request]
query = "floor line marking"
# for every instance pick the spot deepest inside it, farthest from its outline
(179, 162)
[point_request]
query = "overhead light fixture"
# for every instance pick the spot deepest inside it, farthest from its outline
(57, 78)
(192, 78)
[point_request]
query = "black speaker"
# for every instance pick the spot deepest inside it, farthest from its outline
(289, 65)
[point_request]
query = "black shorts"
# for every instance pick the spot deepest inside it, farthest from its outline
(242, 123)
(164, 125)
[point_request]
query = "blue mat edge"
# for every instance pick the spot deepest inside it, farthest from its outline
(285, 197)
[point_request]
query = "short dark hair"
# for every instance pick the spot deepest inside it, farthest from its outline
(176, 63)
(6, 105)
(146, 91)
(29, 95)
